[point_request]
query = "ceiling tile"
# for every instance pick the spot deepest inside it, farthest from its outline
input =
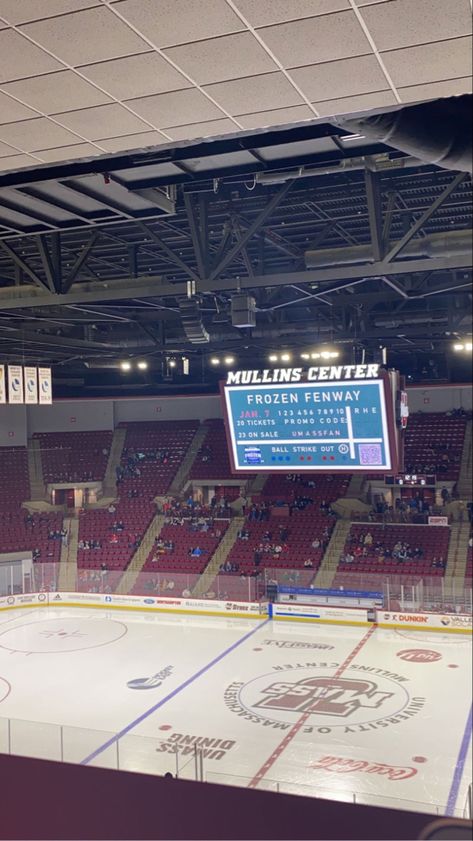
(6, 150)
(259, 93)
(351, 104)
(265, 12)
(430, 62)
(176, 108)
(33, 59)
(68, 153)
(179, 21)
(130, 142)
(277, 117)
(402, 23)
(36, 134)
(91, 35)
(450, 87)
(138, 75)
(17, 162)
(11, 111)
(335, 79)
(210, 129)
(103, 121)
(56, 92)
(229, 57)
(315, 40)
(22, 11)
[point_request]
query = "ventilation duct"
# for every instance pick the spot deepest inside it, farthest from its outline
(438, 132)
(455, 244)
(191, 318)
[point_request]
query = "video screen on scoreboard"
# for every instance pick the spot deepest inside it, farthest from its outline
(333, 426)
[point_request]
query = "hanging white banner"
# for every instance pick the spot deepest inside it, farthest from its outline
(15, 384)
(45, 386)
(31, 385)
(3, 385)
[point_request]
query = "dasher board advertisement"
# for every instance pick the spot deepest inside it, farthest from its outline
(344, 425)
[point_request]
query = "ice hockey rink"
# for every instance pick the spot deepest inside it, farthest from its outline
(352, 713)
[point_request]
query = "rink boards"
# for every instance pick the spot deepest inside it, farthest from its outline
(311, 613)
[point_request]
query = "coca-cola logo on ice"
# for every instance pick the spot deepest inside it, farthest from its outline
(419, 655)
(346, 766)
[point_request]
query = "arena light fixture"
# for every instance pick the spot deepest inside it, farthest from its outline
(215, 361)
(315, 355)
(305, 355)
(172, 363)
(273, 357)
(125, 366)
(229, 360)
(285, 357)
(459, 346)
(468, 346)
(142, 365)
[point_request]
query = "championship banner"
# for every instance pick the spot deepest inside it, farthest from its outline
(3, 385)
(45, 386)
(31, 385)
(15, 384)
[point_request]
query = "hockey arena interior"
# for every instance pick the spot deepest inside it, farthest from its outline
(236, 544)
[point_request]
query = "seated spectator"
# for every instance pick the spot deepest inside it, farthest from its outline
(316, 543)
(368, 539)
(308, 564)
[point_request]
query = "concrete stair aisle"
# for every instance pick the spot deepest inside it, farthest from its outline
(457, 550)
(129, 577)
(114, 456)
(356, 488)
(180, 479)
(257, 485)
(68, 566)
(218, 558)
(464, 480)
(35, 470)
(327, 570)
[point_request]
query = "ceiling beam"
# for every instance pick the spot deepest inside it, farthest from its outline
(81, 259)
(399, 245)
(13, 297)
(20, 263)
(253, 229)
(47, 262)
(373, 197)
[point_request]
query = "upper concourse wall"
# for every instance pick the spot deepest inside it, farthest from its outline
(18, 423)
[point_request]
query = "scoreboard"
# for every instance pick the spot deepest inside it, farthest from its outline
(301, 425)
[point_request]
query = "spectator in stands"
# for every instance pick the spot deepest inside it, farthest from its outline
(445, 495)
(368, 539)
(283, 534)
(196, 552)
(111, 508)
(316, 543)
(308, 564)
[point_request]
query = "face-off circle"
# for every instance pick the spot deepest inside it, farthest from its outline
(283, 696)
(5, 689)
(60, 636)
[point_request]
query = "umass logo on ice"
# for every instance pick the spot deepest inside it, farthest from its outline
(364, 698)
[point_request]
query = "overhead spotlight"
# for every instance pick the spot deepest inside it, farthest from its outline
(468, 346)
(273, 357)
(125, 366)
(285, 357)
(315, 355)
(215, 361)
(305, 355)
(229, 360)
(142, 365)
(459, 346)
(334, 354)
(172, 363)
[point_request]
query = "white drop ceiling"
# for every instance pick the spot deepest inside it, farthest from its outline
(81, 78)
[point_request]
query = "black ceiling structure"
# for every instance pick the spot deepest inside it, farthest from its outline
(341, 240)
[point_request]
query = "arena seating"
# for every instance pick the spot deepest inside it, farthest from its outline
(286, 487)
(163, 445)
(171, 438)
(213, 461)
(178, 566)
(432, 540)
(434, 444)
(74, 456)
(469, 563)
(16, 534)
(14, 478)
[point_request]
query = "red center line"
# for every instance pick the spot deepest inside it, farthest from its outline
(290, 735)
